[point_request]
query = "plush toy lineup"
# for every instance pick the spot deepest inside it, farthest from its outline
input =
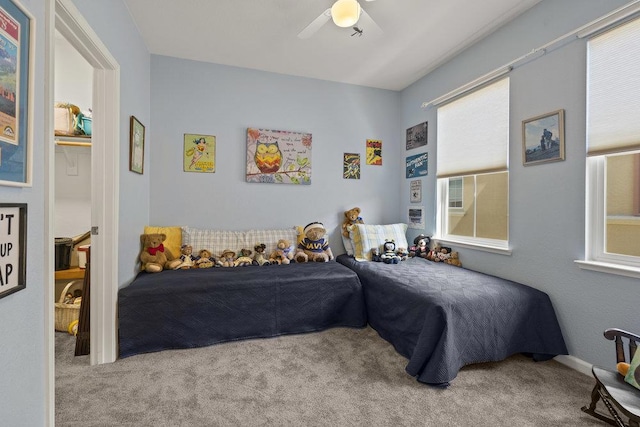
(312, 247)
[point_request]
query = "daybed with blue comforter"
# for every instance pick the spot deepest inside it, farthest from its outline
(443, 317)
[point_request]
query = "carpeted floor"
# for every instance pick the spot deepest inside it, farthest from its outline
(340, 377)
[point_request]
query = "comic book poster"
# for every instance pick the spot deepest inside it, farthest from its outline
(351, 166)
(417, 165)
(374, 152)
(199, 153)
(416, 136)
(9, 72)
(278, 157)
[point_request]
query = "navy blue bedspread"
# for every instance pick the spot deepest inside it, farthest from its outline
(443, 317)
(199, 307)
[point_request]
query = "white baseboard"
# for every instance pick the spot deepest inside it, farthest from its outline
(575, 363)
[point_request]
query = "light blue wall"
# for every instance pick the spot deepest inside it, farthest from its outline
(22, 313)
(196, 97)
(547, 204)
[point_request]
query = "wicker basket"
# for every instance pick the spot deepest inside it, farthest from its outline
(67, 313)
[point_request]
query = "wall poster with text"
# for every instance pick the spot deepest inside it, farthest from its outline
(351, 166)
(374, 152)
(199, 153)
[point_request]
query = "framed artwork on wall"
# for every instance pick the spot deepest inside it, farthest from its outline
(415, 191)
(136, 146)
(199, 153)
(17, 38)
(278, 157)
(374, 152)
(543, 138)
(417, 136)
(415, 217)
(351, 166)
(417, 165)
(13, 248)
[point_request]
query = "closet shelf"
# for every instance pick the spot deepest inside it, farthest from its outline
(73, 141)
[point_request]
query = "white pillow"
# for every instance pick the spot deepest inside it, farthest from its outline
(366, 237)
(348, 245)
(270, 238)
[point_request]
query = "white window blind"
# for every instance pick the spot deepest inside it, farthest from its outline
(613, 88)
(473, 132)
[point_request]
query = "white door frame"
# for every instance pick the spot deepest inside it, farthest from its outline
(66, 18)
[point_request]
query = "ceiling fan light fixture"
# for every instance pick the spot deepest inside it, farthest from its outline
(345, 13)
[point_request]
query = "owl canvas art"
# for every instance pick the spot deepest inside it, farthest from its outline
(279, 157)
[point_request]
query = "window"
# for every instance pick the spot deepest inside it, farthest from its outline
(455, 193)
(472, 168)
(613, 148)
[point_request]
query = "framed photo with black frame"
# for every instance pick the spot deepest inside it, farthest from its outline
(13, 248)
(136, 146)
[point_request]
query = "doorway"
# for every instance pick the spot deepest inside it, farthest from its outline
(64, 17)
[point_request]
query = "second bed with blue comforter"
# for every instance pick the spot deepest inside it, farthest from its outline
(443, 317)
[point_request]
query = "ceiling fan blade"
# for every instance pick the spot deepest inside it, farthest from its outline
(367, 23)
(315, 25)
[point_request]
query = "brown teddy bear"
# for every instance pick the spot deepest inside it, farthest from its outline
(154, 257)
(454, 259)
(187, 258)
(259, 257)
(282, 253)
(352, 216)
(227, 259)
(204, 259)
(314, 247)
(244, 258)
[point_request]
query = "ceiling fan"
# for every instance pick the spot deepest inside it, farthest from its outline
(344, 13)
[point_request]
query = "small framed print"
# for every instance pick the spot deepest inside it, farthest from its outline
(416, 136)
(415, 191)
(13, 248)
(415, 217)
(543, 138)
(136, 146)
(199, 153)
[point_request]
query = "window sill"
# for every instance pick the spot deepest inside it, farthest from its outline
(610, 268)
(476, 246)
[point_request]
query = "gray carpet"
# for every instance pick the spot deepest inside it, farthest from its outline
(340, 377)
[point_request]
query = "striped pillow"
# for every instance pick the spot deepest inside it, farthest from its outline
(366, 237)
(214, 240)
(270, 238)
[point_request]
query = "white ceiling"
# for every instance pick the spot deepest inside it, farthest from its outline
(417, 35)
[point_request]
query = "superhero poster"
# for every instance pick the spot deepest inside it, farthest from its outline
(351, 166)
(199, 153)
(278, 157)
(374, 152)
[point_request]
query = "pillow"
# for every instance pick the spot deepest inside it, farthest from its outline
(173, 242)
(633, 374)
(348, 245)
(366, 237)
(270, 238)
(214, 240)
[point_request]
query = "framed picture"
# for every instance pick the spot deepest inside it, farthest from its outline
(374, 152)
(278, 157)
(13, 248)
(136, 146)
(417, 136)
(543, 138)
(417, 165)
(415, 217)
(351, 166)
(17, 38)
(199, 153)
(415, 191)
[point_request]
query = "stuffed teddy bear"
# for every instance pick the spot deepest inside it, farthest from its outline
(282, 253)
(154, 257)
(244, 258)
(204, 259)
(227, 259)
(187, 259)
(442, 255)
(314, 247)
(389, 255)
(403, 253)
(454, 259)
(375, 255)
(420, 246)
(258, 257)
(351, 217)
